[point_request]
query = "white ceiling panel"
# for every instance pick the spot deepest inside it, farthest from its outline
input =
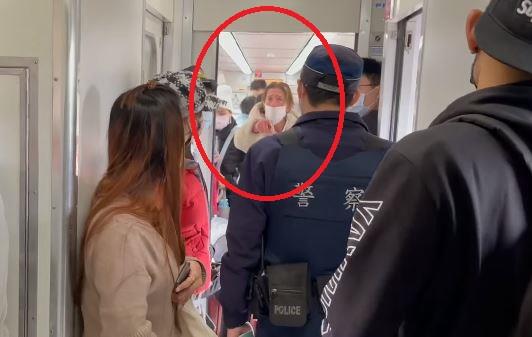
(225, 62)
(270, 52)
(328, 16)
(275, 52)
(262, 61)
(260, 52)
(279, 40)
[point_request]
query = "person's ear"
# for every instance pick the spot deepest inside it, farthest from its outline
(355, 98)
(471, 23)
(300, 89)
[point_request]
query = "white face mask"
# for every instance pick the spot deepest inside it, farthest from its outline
(275, 114)
(222, 122)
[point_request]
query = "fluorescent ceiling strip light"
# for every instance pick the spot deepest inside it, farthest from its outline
(228, 43)
(299, 62)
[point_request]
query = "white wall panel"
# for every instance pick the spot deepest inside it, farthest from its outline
(26, 31)
(446, 62)
(328, 16)
(110, 63)
(163, 7)
(406, 6)
(209, 62)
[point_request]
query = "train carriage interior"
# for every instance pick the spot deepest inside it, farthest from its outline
(64, 62)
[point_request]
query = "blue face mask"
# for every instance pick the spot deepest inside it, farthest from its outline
(359, 107)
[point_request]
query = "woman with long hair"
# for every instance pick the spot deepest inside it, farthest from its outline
(276, 113)
(133, 247)
(195, 216)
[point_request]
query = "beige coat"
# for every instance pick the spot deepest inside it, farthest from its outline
(129, 279)
(245, 137)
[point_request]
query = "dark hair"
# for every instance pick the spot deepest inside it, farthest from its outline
(247, 104)
(210, 86)
(317, 96)
(258, 85)
(145, 151)
(372, 70)
(191, 69)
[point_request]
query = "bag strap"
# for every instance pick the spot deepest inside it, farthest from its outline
(262, 263)
(225, 147)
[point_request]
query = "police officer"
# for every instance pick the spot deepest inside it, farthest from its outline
(304, 237)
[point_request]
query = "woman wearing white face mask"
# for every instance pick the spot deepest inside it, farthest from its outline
(275, 114)
(232, 157)
(224, 123)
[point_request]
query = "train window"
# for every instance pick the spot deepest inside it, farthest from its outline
(152, 53)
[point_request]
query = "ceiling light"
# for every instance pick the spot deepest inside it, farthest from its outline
(228, 43)
(298, 63)
(270, 55)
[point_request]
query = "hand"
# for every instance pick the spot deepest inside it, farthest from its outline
(237, 332)
(185, 290)
(263, 126)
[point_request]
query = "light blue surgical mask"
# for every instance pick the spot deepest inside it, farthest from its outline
(359, 106)
(361, 100)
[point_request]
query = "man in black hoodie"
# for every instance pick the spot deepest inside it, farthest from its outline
(442, 243)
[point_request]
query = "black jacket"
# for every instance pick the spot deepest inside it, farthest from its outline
(442, 244)
(233, 158)
(372, 121)
(232, 163)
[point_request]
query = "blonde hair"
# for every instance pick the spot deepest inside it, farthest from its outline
(287, 92)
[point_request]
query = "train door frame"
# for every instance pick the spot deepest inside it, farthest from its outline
(407, 68)
(192, 41)
(151, 19)
(391, 81)
(26, 69)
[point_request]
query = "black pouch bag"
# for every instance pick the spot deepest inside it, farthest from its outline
(289, 294)
(258, 295)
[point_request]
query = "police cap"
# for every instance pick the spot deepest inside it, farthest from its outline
(318, 70)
